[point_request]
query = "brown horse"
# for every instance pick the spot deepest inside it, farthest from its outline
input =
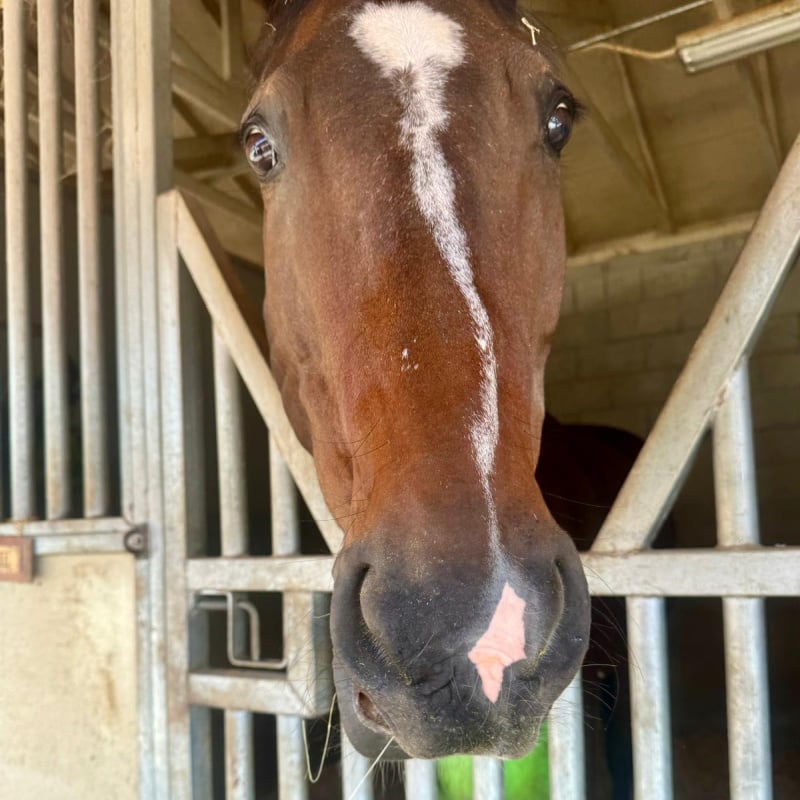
(408, 153)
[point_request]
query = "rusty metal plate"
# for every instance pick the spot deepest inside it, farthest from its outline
(16, 559)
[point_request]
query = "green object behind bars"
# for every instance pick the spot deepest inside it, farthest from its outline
(526, 778)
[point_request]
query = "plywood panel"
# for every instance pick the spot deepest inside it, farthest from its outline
(68, 682)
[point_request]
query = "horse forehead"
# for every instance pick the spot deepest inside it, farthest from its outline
(406, 36)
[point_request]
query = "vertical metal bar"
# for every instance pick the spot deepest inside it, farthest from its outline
(565, 745)
(230, 452)
(239, 770)
(420, 780)
(126, 260)
(239, 775)
(20, 374)
(745, 637)
(122, 257)
(647, 662)
(487, 779)
(292, 784)
(90, 281)
(54, 354)
(356, 784)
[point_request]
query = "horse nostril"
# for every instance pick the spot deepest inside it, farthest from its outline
(369, 711)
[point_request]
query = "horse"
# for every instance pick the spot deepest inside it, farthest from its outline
(414, 255)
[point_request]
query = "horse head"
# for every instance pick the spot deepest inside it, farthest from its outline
(408, 153)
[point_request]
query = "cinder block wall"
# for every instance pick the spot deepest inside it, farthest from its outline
(626, 330)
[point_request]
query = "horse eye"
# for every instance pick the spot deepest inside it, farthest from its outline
(260, 151)
(559, 126)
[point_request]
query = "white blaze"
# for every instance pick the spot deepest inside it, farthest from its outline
(418, 47)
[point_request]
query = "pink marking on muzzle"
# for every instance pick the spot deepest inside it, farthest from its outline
(502, 645)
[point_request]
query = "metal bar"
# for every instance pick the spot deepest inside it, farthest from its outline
(247, 690)
(167, 762)
(239, 768)
(230, 452)
(79, 544)
(745, 636)
(487, 778)
(20, 375)
(650, 723)
(356, 783)
(745, 572)
(420, 780)
(292, 784)
(202, 255)
(126, 258)
(731, 331)
(65, 527)
(54, 351)
(764, 571)
(239, 775)
(94, 412)
(285, 542)
(565, 745)
(635, 26)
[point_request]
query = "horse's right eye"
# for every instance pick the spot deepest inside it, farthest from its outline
(559, 126)
(260, 151)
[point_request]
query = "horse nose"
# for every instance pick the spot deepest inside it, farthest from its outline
(455, 654)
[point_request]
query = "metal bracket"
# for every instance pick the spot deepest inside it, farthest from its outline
(238, 642)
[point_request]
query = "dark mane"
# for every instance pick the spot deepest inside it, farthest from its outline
(280, 14)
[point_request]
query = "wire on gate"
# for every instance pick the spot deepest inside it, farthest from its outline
(315, 778)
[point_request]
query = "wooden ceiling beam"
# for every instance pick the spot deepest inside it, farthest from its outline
(640, 128)
(762, 102)
(639, 178)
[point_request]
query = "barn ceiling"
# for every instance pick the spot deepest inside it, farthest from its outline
(660, 152)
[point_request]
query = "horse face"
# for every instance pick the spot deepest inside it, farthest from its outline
(414, 257)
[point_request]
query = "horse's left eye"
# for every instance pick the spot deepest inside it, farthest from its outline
(559, 126)
(260, 151)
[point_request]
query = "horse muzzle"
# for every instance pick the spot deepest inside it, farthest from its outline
(461, 656)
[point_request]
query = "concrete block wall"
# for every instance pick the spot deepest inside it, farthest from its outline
(626, 330)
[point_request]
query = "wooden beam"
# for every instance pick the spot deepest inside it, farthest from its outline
(762, 103)
(617, 150)
(218, 100)
(640, 128)
(658, 241)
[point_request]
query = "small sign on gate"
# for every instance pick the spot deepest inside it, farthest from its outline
(16, 559)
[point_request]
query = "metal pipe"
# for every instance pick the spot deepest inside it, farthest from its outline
(635, 26)
(230, 452)
(745, 636)
(18, 311)
(565, 745)
(487, 778)
(239, 766)
(54, 352)
(650, 716)
(94, 412)
(292, 784)
(420, 780)
(239, 775)
(356, 784)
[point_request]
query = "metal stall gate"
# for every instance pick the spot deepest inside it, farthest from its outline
(166, 257)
